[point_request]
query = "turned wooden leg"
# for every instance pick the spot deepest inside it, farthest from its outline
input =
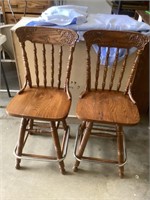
(82, 128)
(31, 125)
(20, 144)
(81, 148)
(57, 147)
(120, 137)
(65, 127)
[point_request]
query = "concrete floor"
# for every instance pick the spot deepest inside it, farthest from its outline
(42, 180)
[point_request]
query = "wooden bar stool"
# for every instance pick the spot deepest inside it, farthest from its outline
(107, 105)
(44, 101)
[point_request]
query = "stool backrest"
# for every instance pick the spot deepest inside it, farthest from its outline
(48, 58)
(110, 47)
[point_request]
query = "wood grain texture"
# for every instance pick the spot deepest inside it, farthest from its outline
(14, 10)
(40, 103)
(107, 107)
(121, 39)
(47, 35)
(32, 6)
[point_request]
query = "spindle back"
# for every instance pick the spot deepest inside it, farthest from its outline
(113, 48)
(48, 58)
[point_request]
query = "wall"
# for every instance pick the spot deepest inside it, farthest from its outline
(94, 6)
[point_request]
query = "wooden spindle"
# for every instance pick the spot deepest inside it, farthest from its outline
(97, 68)
(52, 66)
(44, 66)
(36, 65)
(60, 66)
(105, 68)
(88, 78)
(25, 58)
(123, 69)
(69, 66)
(114, 69)
(133, 70)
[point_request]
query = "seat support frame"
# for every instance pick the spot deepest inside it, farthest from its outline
(28, 126)
(87, 129)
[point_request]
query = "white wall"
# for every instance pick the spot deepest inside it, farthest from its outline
(94, 6)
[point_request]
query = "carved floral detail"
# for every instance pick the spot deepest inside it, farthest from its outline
(139, 40)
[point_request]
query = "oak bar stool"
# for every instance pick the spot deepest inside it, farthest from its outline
(45, 96)
(107, 105)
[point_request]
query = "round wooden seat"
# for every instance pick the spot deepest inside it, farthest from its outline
(40, 103)
(107, 107)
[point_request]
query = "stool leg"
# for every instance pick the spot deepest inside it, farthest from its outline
(83, 126)
(57, 147)
(21, 141)
(82, 145)
(120, 137)
(65, 128)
